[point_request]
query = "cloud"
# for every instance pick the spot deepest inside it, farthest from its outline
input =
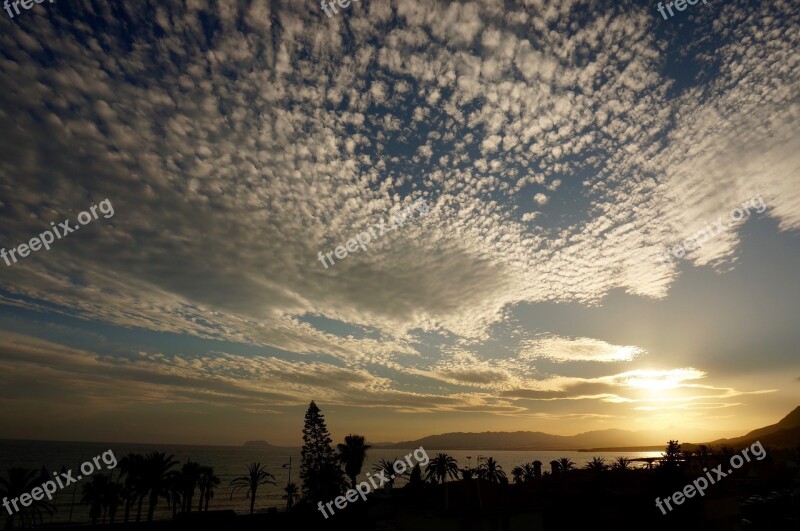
(563, 349)
(236, 141)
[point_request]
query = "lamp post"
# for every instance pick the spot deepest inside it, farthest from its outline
(289, 482)
(289, 464)
(469, 462)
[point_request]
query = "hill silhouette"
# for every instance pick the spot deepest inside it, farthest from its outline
(529, 440)
(783, 434)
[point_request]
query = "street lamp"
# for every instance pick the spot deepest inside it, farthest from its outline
(289, 464)
(289, 482)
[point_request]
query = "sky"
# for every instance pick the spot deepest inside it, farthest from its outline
(562, 216)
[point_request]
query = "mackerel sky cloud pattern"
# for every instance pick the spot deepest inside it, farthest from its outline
(560, 145)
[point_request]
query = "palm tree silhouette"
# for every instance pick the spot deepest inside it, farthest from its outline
(174, 493)
(621, 463)
(566, 464)
(207, 482)
(388, 471)
(102, 496)
(256, 476)
(440, 468)
(352, 455)
(491, 471)
(597, 464)
(156, 478)
(131, 467)
(21, 481)
(189, 477)
(291, 494)
(112, 499)
(528, 472)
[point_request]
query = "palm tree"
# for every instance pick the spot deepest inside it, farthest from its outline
(256, 476)
(102, 496)
(517, 473)
(174, 493)
(21, 481)
(440, 468)
(112, 499)
(190, 475)
(528, 472)
(597, 464)
(491, 470)
(352, 455)
(206, 484)
(566, 464)
(93, 496)
(156, 478)
(621, 463)
(291, 494)
(388, 471)
(214, 482)
(131, 467)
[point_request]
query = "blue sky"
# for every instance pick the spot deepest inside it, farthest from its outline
(560, 147)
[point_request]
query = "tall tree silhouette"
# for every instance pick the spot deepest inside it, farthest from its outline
(112, 499)
(102, 496)
(190, 475)
(319, 469)
(440, 468)
(131, 467)
(174, 493)
(415, 480)
(256, 476)
(156, 477)
(352, 455)
(207, 483)
(672, 455)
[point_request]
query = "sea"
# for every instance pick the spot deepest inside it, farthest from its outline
(230, 462)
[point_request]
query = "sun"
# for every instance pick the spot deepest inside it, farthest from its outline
(659, 380)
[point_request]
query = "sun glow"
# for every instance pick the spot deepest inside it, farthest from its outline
(658, 380)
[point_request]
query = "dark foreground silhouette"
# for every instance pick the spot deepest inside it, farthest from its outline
(763, 493)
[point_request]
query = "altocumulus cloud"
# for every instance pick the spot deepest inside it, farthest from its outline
(237, 139)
